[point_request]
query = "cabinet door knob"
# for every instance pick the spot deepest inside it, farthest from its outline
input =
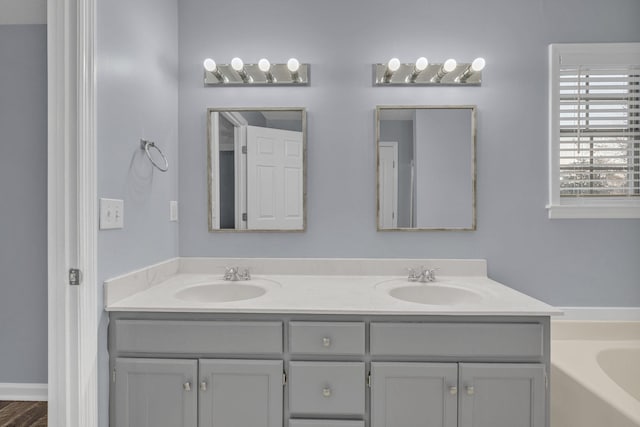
(326, 342)
(470, 390)
(203, 386)
(326, 392)
(453, 390)
(186, 386)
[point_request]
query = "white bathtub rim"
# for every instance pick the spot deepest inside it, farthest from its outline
(600, 313)
(574, 357)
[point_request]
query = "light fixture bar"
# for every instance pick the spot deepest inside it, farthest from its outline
(425, 73)
(262, 73)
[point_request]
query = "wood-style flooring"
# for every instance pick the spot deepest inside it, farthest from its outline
(23, 414)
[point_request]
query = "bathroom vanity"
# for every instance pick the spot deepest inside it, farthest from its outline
(326, 350)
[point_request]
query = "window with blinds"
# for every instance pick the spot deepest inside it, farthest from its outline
(599, 139)
(595, 127)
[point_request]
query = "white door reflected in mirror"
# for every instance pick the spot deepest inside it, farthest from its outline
(256, 169)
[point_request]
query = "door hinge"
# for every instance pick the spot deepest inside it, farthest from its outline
(113, 375)
(284, 378)
(369, 379)
(244, 149)
(394, 164)
(74, 276)
(244, 216)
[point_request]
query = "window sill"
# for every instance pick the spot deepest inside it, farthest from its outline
(593, 212)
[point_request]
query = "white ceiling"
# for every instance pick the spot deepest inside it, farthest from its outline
(22, 12)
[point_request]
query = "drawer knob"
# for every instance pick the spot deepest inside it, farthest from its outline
(203, 386)
(326, 342)
(453, 390)
(326, 392)
(470, 390)
(186, 386)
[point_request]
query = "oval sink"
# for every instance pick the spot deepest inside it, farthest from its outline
(223, 291)
(431, 294)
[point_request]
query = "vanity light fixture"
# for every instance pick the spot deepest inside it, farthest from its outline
(424, 73)
(265, 67)
(238, 67)
(211, 67)
(293, 65)
(448, 66)
(476, 66)
(392, 66)
(421, 64)
(264, 73)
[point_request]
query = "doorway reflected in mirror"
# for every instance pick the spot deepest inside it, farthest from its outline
(256, 169)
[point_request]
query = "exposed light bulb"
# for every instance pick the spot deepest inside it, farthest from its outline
(393, 65)
(237, 64)
(264, 65)
(421, 63)
(449, 65)
(293, 65)
(478, 64)
(210, 65)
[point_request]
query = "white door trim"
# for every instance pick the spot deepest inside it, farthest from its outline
(394, 199)
(72, 220)
(214, 172)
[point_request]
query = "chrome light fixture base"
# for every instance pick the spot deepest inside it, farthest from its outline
(278, 75)
(406, 76)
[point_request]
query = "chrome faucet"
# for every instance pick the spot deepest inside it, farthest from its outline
(235, 274)
(422, 274)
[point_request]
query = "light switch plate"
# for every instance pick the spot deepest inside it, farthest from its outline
(111, 214)
(173, 210)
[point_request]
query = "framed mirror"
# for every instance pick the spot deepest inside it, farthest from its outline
(426, 172)
(256, 169)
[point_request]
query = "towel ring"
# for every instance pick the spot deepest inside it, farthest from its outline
(145, 145)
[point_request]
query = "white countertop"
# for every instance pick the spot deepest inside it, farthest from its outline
(314, 294)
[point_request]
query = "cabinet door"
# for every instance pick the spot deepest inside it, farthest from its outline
(414, 394)
(502, 395)
(155, 392)
(240, 393)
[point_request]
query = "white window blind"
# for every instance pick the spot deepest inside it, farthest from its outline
(595, 129)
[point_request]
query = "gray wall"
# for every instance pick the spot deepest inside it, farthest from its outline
(563, 262)
(137, 90)
(23, 186)
(444, 183)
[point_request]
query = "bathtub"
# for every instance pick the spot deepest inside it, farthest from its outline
(595, 374)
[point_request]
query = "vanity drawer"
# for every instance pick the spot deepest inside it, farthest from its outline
(326, 388)
(325, 423)
(193, 336)
(461, 340)
(335, 338)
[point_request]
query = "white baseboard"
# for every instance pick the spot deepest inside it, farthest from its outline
(600, 313)
(23, 391)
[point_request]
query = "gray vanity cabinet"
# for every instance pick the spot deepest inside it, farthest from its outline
(457, 395)
(414, 394)
(502, 395)
(196, 373)
(155, 392)
(176, 393)
(240, 393)
(508, 392)
(324, 370)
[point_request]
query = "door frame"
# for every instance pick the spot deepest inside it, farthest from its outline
(72, 214)
(239, 124)
(394, 146)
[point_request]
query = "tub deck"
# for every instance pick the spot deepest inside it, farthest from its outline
(584, 392)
